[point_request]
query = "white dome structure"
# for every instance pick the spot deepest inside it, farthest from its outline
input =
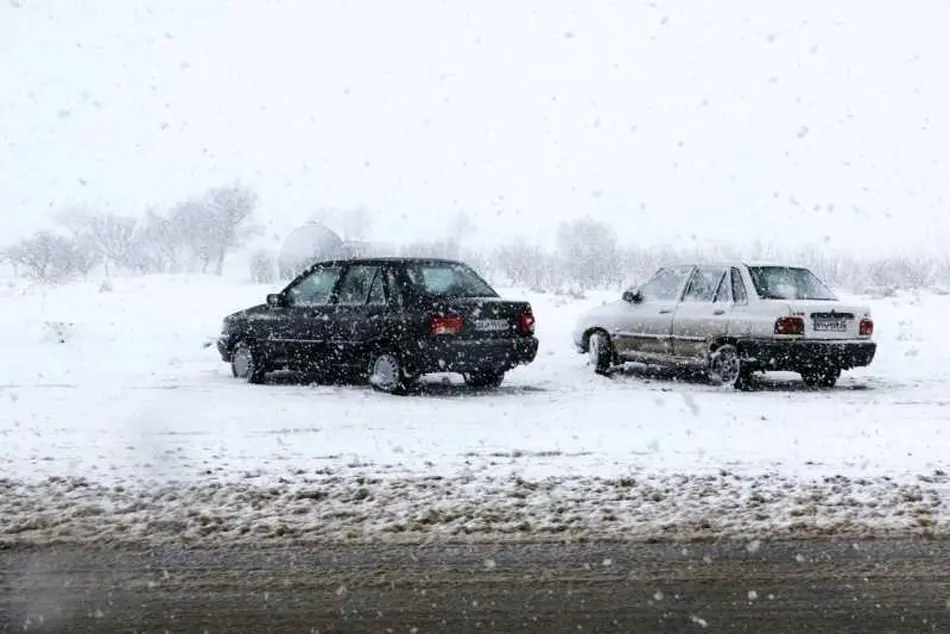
(305, 245)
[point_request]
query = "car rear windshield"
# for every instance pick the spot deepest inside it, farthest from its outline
(785, 282)
(448, 279)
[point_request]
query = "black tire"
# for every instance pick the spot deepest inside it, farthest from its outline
(600, 352)
(484, 380)
(821, 377)
(386, 373)
(726, 368)
(248, 363)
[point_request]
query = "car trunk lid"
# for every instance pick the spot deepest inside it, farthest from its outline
(486, 317)
(830, 319)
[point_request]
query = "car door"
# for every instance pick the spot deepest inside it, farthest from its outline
(703, 314)
(301, 336)
(742, 318)
(645, 326)
(359, 314)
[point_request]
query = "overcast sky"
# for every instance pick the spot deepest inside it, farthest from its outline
(734, 120)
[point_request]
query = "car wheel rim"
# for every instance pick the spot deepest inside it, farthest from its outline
(726, 366)
(242, 363)
(385, 372)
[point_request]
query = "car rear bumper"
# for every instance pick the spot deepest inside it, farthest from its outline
(795, 354)
(462, 356)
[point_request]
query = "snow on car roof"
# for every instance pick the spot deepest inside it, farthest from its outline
(737, 263)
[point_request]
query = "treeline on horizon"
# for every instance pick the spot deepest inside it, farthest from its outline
(198, 235)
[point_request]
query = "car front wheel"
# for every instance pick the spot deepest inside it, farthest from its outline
(248, 364)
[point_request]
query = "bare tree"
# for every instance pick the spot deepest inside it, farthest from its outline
(263, 267)
(525, 265)
(80, 255)
(157, 246)
(193, 222)
(112, 237)
(588, 249)
(216, 224)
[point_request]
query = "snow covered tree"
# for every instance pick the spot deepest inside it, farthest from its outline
(44, 255)
(111, 237)
(263, 267)
(81, 255)
(588, 249)
(215, 224)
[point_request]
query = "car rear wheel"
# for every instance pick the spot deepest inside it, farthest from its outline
(725, 368)
(600, 352)
(248, 364)
(821, 377)
(484, 380)
(386, 374)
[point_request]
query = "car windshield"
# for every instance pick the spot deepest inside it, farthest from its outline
(448, 279)
(785, 282)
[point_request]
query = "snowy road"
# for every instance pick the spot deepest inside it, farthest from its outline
(116, 424)
(819, 586)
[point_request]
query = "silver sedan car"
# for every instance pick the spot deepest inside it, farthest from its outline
(730, 320)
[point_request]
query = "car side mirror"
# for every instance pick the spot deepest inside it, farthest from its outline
(633, 297)
(275, 300)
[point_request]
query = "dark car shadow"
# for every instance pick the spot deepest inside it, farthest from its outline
(429, 386)
(445, 389)
(668, 378)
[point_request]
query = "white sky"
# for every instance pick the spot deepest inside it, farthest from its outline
(727, 120)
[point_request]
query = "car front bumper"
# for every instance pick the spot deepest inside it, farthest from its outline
(224, 349)
(463, 356)
(793, 355)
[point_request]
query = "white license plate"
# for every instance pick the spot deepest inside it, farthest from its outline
(831, 325)
(493, 325)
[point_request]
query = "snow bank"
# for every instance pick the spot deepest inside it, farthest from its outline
(117, 424)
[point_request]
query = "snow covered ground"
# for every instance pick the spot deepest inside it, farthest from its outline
(117, 424)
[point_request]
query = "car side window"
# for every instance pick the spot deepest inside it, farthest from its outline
(739, 294)
(724, 292)
(665, 285)
(356, 285)
(397, 289)
(315, 289)
(377, 290)
(703, 285)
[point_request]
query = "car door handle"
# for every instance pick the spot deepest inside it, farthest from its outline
(719, 311)
(665, 311)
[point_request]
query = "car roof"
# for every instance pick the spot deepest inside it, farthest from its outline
(388, 259)
(717, 263)
(737, 263)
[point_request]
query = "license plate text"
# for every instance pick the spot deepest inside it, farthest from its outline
(831, 325)
(493, 325)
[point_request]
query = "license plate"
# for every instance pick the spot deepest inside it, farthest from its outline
(493, 325)
(831, 325)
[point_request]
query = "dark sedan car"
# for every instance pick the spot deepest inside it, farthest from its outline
(386, 320)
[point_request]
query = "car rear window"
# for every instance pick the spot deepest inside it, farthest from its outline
(786, 282)
(448, 279)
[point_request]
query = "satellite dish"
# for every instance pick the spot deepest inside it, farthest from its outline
(306, 245)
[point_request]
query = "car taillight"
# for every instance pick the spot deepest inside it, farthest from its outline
(789, 326)
(446, 326)
(526, 324)
(866, 328)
